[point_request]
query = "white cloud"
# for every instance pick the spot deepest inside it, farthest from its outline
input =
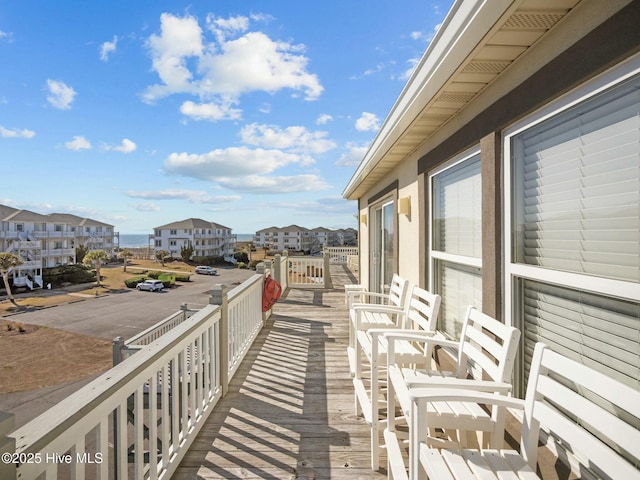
(275, 184)
(210, 111)
(412, 66)
(353, 156)
(230, 162)
(324, 119)
(78, 143)
(180, 39)
(107, 48)
(15, 133)
(295, 138)
(127, 146)
(237, 62)
(193, 196)
(368, 122)
(146, 207)
(60, 95)
(8, 36)
(335, 205)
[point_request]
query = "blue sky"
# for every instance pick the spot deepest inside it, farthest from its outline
(249, 114)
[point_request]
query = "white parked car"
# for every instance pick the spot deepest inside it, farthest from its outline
(206, 270)
(150, 285)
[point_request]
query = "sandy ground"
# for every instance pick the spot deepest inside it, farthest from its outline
(36, 357)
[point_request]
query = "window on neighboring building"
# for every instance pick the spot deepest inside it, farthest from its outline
(57, 227)
(456, 242)
(19, 227)
(573, 270)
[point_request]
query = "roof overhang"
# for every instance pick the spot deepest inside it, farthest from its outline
(478, 40)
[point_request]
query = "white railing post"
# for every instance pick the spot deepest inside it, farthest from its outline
(116, 350)
(277, 268)
(7, 446)
(327, 273)
(218, 296)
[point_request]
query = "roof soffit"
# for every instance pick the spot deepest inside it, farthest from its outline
(413, 120)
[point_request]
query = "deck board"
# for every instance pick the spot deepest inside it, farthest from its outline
(289, 412)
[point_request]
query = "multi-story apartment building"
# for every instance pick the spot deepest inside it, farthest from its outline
(44, 241)
(208, 239)
(301, 239)
(292, 238)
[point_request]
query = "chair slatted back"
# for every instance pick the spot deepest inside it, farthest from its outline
(422, 310)
(488, 348)
(398, 290)
(596, 416)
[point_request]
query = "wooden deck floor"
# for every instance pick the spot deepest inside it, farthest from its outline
(289, 413)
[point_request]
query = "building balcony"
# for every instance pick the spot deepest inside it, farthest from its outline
(282, 408)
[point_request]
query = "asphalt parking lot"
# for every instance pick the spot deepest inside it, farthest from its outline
(130, 312)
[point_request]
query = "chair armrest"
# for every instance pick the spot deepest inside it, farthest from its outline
(423, 395)
(426, 337)
(367, 294)
(377, 332)
(372, 307)
(455, 383)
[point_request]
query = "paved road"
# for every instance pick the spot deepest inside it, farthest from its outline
(125, 314)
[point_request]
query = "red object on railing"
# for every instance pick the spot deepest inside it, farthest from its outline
(271, 292)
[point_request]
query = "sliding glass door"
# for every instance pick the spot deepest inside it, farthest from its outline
(383, 243)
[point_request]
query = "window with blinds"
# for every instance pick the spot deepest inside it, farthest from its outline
(456, 250)
(578, 188)
(575, 208)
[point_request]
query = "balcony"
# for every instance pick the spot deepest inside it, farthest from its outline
(283, 407)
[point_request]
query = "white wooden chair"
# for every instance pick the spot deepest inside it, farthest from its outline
(486, 354)
(591, 415)
(420, 317)
(365, 314)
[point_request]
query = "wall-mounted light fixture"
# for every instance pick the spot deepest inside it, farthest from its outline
(363, 218)
(404, 206)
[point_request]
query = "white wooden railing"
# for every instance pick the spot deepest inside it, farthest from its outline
(308, 272)
(138, 419)
(340, 254)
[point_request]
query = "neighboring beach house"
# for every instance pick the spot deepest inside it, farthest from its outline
(208, 239)
(507, 176)
(300, 239)
(45, 241)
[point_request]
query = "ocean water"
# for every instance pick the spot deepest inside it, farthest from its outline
(137, 240)
(130, 240)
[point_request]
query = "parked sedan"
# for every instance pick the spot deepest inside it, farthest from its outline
(150, 285)
(206, 270)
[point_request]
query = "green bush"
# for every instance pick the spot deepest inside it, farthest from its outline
(72, 273)
(242, 265)
(183, 277)
(133, 281)
(253, 263)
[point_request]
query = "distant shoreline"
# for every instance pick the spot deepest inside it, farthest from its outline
(131, 241)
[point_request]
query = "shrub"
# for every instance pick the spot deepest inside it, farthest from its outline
(253, 263)
(133, 281)
(72, 273)
(183, 277)
(242, 265)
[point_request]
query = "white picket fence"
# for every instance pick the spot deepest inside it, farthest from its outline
(341, 254)
(138, 419)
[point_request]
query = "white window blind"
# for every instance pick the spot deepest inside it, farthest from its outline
(576, 208)
(459, 286)
(458, 209)
(601, 332)
(457, 241)
(578, 184)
